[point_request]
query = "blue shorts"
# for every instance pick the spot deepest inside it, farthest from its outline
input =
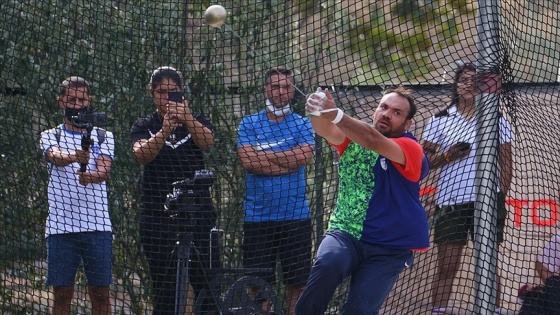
(66, 251)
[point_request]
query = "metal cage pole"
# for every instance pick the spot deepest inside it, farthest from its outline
(486, 182)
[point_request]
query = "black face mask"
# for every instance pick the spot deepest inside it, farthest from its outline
(74, 112)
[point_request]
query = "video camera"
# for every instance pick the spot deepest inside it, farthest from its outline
(89, 119)
(186, 193)
(86, 119)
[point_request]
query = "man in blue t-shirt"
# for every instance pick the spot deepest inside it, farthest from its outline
(274, 145)
(379, 221)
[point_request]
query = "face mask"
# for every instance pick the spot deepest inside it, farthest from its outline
(74, 112)
(278, 112)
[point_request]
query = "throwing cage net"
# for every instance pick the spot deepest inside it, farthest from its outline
(247, 195)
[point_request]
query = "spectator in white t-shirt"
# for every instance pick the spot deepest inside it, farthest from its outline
(449, 141)
(78, 227)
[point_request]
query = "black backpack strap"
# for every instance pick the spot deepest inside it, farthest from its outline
(100, 136)
(57, 133)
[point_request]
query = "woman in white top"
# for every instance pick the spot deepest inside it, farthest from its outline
(449, 141)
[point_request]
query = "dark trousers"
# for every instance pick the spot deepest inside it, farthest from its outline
(543, 301)
(373, 269)
(159, 235)
(552, 293)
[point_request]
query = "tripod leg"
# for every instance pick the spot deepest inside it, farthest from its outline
(209, 299)
(181, 289)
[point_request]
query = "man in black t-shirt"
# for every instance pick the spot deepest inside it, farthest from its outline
(169, 143)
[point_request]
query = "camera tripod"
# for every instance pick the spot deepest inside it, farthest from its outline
(228, 291)
(225, 294)
(182, 216)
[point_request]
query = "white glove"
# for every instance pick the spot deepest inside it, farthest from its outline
(316, 102)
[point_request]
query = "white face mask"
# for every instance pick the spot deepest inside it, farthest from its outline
(278, 112)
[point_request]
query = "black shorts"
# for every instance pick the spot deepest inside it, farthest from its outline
(453, 224)
(265, 243)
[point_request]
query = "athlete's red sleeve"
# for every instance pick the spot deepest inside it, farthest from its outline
(413, 153)
(341, 147)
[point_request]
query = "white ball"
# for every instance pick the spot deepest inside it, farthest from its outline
(215, 15)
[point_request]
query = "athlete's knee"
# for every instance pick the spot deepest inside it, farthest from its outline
(331, 263)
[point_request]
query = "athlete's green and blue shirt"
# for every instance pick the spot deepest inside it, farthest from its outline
(379, 200)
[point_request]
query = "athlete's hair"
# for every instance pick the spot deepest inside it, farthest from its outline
(406, 93)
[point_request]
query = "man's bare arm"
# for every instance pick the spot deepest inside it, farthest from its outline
(297, 157)
(100, 174)
(59, 157)
(506, 167)
(146, 150)
(261, 162)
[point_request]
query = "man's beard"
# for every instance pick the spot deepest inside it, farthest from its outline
(390, 132)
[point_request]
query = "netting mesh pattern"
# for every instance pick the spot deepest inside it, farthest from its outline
(209, 202)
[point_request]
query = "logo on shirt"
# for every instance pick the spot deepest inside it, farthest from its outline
(172, 142)
(272, 145)
(383, 164)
